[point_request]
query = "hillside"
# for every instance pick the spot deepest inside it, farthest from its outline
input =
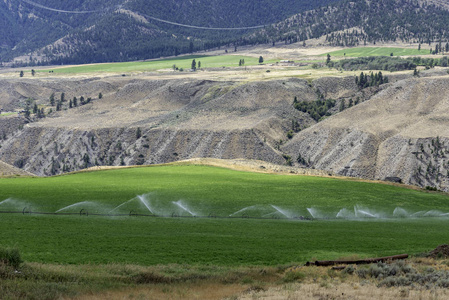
(140, 121)
(351, 23)
(401, 132)
(84, 31)
(56, 32)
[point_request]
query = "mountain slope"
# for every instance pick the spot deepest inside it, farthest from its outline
(355, 22)
(119, 30)
(131, 30)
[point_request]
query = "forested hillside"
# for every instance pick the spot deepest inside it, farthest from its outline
(357, 22)
(85, 31)
(117, 30)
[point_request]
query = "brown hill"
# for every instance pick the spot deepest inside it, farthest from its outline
(176, 119)
(401, 133)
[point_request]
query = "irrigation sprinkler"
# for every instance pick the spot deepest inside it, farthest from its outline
(84, 212)
(245, 216)
(132, 213)
(212, 215)
(26, 210)
(174, 215)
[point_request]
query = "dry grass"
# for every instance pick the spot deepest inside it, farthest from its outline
(306, 283)
(335, 290)
(92, 282)
(7, 170)
(204, 290)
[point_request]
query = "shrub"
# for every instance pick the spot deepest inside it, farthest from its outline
(10, 257)
(349, 270)
(293, 276)
(395, 281)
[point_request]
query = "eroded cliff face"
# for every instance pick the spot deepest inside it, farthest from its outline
(400, 133)
(141, 121)
(46, 151)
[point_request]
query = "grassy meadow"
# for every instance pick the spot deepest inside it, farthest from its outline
(213, 216)
(184, 62)
(377, 51)
(218, 61)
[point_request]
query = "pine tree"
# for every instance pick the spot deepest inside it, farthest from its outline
(342, 105)
(260, 60)
(52, 99)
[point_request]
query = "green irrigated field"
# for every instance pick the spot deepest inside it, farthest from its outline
(377, 51)
(232, 242)
(214, 216)
(184, 62)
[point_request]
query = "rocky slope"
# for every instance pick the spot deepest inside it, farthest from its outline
(402, 133)
(140, 121)
(399, 131)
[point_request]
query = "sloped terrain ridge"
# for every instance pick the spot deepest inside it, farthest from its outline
(398, 132)
(140, 121)
(401, 134)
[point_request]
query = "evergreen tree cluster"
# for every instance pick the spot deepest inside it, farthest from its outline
(316, 109)
(388, 63)
(374, 79)
(72, 103)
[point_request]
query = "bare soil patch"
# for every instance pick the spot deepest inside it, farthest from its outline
(442, 251)
(7, 170)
